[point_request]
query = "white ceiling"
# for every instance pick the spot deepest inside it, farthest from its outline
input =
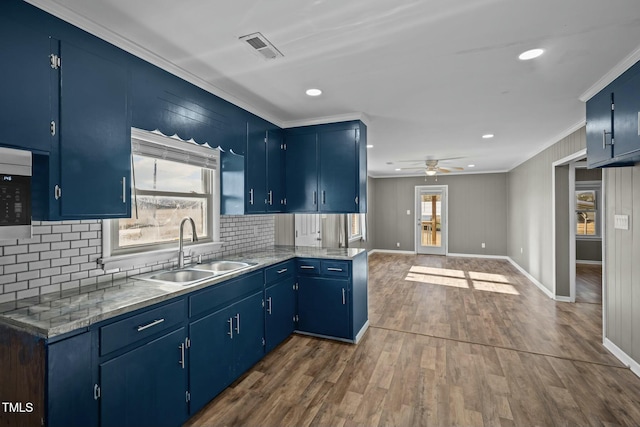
(429, 77)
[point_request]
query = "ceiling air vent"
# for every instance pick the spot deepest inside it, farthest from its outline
(259, 44)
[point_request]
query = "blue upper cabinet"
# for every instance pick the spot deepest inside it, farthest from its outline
(326, 168)
(256, 166)
(301, 171)
(94, 136)
(276, 190)
(613, 128)
(24, 104)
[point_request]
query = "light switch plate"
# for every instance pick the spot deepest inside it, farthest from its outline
(408, 212)
(621, 222)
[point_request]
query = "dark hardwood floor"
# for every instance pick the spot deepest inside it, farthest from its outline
(452, 341)
(589, 283)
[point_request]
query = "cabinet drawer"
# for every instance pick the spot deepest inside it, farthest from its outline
(309, 266)
(220, 295)
(279, 271)
(127, 331)
(335, 268)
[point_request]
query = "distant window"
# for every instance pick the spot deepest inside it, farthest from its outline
(587, 209)
(356, 224)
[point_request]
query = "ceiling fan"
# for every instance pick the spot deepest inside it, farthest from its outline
(431, 166)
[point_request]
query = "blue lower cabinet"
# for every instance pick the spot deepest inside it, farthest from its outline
(280, 311)
(211, 357)
(71, 377)
(223, 346)
(323, 306)
(146, 386)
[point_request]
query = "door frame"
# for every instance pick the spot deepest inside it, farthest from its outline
(444, 222)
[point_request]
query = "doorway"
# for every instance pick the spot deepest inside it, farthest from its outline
(431, 219)
(308, 230)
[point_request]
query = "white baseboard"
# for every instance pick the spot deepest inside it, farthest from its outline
(478, 256)
(622, 356)
(533, 279)
(584, 261)
(390, 251)
(564, 299)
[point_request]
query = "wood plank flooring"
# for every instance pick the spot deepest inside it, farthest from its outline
(452, 341)
(589, 283)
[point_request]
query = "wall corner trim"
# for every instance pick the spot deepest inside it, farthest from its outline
(535, 281)
(622, 356)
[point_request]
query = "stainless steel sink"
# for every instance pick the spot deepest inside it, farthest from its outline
(222, 266)
(180, 277)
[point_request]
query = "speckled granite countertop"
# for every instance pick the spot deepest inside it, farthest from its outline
(57, 313)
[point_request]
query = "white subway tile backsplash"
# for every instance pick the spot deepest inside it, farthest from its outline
(62, 255)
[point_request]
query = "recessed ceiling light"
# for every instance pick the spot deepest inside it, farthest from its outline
(471, 166)
(398, 169)
(369, 146)
(488, 136)
(314, 92)
(530, 54)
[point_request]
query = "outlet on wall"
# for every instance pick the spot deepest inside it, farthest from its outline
(398, 245)
(521, 250)
(483, 245)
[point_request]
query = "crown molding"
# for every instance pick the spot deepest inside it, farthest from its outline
(328, 119)
(552, 141)
(135, 49)
(612, 74)
(441, 175)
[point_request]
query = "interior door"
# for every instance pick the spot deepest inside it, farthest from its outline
(308, 232)
(431, 220)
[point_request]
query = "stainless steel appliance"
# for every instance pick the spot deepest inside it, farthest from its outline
(15, 194)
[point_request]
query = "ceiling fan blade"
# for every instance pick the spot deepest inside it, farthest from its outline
(406, 169)
(457, 168)
(443, 170)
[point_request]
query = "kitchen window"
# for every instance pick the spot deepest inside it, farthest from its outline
(172, 179)
(356, 227)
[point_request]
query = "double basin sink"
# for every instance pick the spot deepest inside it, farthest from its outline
(197, 273)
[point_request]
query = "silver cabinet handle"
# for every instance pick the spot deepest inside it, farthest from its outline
(181, 362)
(147, 326)
(284, 270)
(307, 267)
(230, 322)
(344, 297)
(315, 197)
(324, 197)
(237, 316)
(334, 269)
(269, 302)
(251, 196)
(96, 392)
(124, 189)
(270, 197)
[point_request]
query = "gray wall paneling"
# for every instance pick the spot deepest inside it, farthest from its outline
(562, 231)
(477, 212)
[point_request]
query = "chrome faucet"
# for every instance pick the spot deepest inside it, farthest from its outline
(194, 238)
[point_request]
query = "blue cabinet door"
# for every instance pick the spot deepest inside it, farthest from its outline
(256, 167)
(146, 386)
(301, 172)
(627, 113)
(600, 127)
(70, 384)
(339, 177)
(94, 136)
(24, 85)
(275, 171)
(323, 306)
(280, 310)
(248, 327)
(210, 357)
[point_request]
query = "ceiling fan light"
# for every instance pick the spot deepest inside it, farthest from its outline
(430, 172)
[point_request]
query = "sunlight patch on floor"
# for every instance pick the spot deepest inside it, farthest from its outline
(502, 288)
(437, 280)
(487, 282)
(436, 271)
